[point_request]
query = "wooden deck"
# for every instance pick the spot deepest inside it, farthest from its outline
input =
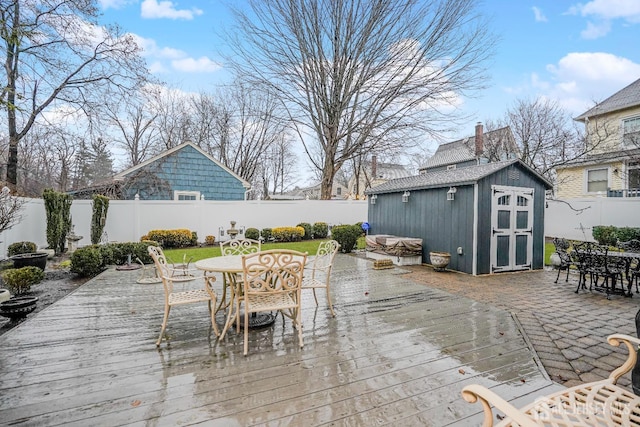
(397, 353)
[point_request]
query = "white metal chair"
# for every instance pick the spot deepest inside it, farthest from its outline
(172, 298)
(271, 281)
(321, 266)
(240, 247)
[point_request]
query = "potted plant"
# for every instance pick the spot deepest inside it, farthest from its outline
(23, 254)
(19, 281)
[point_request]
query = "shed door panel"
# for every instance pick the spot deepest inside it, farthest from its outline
(512, 228)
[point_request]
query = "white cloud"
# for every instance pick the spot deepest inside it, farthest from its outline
(539, 16)
(200, 65)
(602, 12)
(152, 9)
(594, 31)
(151, 49)
(113, 4)
(581, 78)
(609, 9)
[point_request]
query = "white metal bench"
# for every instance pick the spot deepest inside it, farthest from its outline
(599, 403)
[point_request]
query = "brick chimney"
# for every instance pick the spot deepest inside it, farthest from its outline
(479, 143)
(374, 167)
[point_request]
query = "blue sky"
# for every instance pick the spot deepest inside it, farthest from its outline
(575, 53)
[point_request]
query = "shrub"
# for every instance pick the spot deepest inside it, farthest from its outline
(118, 253)
(19, 280)
(346, 235)
(87, 261)
(288, 234)
(58, 211)
(625, 234)
(605, 235)
(320, 230)
(18, 248)
(308, 230)
(210, 240)
(178, 238)
(100, 206)
(252, 233)
(267, 234)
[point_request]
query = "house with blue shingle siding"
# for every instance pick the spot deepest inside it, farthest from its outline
(185, 172)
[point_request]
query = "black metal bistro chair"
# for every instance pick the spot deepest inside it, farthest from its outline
(566, 261)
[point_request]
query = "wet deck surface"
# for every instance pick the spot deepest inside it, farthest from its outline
(397, 353)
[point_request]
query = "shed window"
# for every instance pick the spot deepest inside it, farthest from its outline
(504, 200)
(186, 195)
(597, 180)
(523, 201)
(631, 132)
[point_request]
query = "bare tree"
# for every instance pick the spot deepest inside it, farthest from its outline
(277, 167)
(362, 75)
(134, 119)
(247, 126)
(56, 57)
(546, 135)
(173, 119)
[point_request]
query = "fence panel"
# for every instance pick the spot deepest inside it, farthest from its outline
(128, 220)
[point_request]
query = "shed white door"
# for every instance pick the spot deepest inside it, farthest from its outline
(512, 228)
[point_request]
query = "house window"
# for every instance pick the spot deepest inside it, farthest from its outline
(186, 195)
(597, 180)
(339, 191)
(451, 167)
(633, 176)
(631, 132)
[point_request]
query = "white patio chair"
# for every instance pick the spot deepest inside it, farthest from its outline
(320, 271)
(172, 298)
(271, 281)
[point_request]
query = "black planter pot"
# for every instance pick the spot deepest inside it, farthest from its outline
(18, 307)
(36, 259)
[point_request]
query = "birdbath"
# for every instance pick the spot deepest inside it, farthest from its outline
(232, 232)
(72, 241)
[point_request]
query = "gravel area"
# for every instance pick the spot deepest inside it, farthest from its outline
(57, 283)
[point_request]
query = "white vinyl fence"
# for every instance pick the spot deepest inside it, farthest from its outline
(575, 218)
(128, 220)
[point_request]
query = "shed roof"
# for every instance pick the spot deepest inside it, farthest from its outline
(624, 98)
(460, 176)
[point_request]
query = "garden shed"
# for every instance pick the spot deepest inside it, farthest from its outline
(489, 217)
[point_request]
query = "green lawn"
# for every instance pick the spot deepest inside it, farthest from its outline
(195, 254)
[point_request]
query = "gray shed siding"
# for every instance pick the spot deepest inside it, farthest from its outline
(188, 170)
(442, 225)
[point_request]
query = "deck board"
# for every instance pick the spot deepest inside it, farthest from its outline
(397, 353)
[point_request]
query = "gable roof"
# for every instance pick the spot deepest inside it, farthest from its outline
(122, 175)
(624, 98)
(388, 170)
(463, 150)
(444, 178)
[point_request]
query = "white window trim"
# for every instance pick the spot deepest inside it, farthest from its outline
(451, 167)
(178, 193)
(586, 179)
(622, 120)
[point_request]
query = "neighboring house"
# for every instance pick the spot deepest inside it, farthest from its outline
(371, 174)
(338, 192)
(493, 146)
(185, 172)
(612, 165)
